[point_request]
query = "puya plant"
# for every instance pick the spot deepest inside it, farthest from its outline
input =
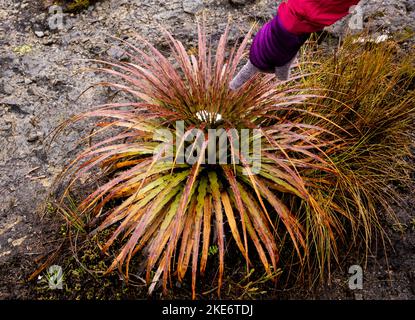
(297, 168)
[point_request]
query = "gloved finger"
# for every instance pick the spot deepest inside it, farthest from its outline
(283, 73)
(246, 73)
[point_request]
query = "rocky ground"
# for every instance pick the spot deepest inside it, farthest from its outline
(41, 79)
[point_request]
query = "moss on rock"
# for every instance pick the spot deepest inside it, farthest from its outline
(76, 5)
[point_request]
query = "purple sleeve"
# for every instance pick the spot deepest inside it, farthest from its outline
(274, 46)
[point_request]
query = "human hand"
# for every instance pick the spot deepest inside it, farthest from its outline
(282, 73)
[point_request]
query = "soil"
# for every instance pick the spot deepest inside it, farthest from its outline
(41, 80)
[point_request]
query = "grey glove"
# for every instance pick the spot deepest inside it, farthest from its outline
(249, 70)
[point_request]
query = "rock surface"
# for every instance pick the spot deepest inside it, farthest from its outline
(42, 54)
(192, 6)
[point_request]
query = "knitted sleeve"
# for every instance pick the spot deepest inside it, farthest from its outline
(279, 40)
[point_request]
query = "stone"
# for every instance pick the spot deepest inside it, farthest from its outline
(192, 6)
(39, 34)
(116, 53)
(33, 137)
(241, 2)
